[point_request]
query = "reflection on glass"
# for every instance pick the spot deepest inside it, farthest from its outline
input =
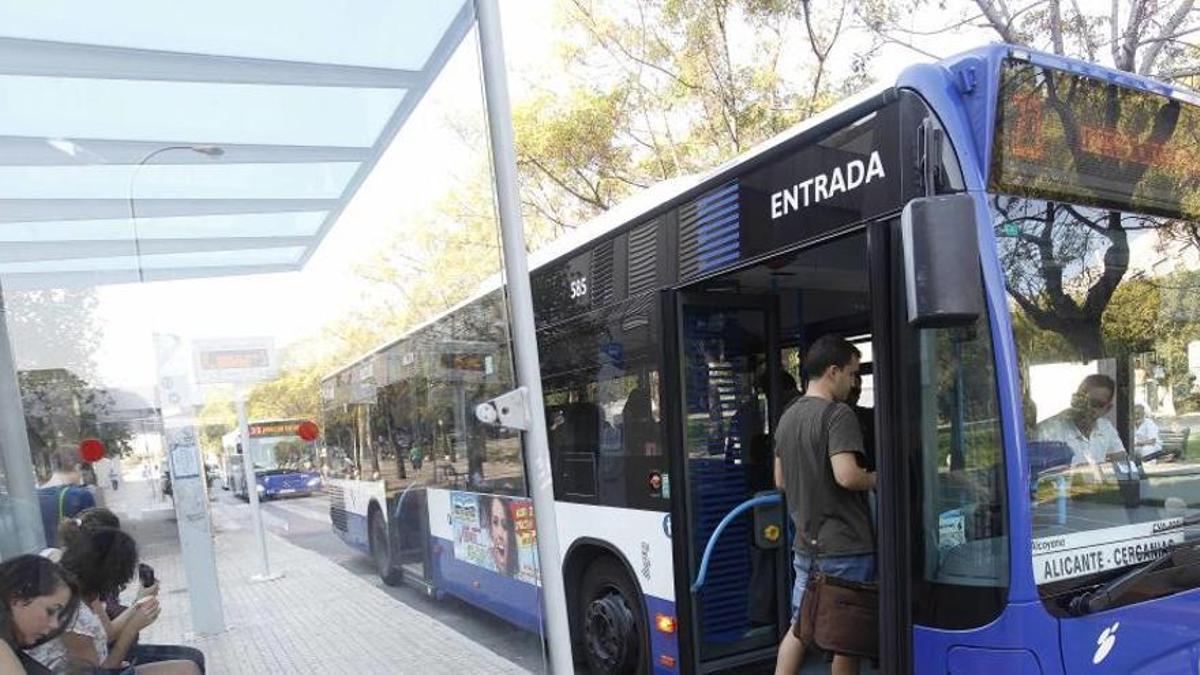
(1106, 319)
(962, 463)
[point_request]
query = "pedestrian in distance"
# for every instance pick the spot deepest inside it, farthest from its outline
(63, 495)
(819, 460)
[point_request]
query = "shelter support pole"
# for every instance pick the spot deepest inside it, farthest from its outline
(16, 465)
(524, 337)
(251, 478)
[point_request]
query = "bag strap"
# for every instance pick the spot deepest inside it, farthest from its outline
(811, 536)
(62, 497)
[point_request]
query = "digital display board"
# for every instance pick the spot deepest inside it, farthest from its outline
(279, 428)
(235, 358)
(473, 363)
(1069, 137)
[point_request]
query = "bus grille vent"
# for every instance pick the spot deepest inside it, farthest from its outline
(601, 284)
(709, 232)
(337, 507)
(643, 254)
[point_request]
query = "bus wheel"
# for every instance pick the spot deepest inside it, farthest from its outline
(612, 625)
(381, 551)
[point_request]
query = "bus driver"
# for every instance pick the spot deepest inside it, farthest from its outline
(1084, 427)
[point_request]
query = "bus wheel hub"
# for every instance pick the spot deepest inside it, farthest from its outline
(609, 629)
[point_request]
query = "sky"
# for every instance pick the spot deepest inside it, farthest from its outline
(424, 158)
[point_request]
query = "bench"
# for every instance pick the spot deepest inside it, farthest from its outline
(1174, 444)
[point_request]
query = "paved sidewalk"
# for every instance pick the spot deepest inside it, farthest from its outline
(317, 618)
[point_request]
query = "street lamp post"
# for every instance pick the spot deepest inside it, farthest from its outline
(208, 150)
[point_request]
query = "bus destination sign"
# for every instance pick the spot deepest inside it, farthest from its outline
(1068, 137)
(1077, 554)
(281, 428)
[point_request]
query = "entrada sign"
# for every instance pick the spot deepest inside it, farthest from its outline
(824, 186)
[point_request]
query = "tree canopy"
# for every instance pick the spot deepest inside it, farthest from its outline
(647, 90)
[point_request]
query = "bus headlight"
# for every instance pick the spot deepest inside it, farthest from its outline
(260, 488)
(314, 482)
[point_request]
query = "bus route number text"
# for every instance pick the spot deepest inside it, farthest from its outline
(579, 288)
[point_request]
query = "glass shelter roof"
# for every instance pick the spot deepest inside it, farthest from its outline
(142, 140)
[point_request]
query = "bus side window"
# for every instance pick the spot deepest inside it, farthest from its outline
(962, 547)
(601, 390)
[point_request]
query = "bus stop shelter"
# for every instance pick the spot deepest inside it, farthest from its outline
(260, 121)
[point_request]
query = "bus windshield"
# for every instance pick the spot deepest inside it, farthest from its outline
(276, 446)
(1096, 212)
(1096, 204)
(1105, 309)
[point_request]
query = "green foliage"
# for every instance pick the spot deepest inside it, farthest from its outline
(684, 84)
(1131, 322)
(639, 92)
(217, 418)
(62, 409)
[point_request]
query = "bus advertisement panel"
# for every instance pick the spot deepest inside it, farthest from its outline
(495, 533)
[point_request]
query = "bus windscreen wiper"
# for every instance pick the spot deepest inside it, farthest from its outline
(1106, 594)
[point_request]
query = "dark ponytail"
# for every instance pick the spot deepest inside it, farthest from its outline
(70, 529)
(102, 559)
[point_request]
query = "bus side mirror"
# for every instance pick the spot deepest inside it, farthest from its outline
(941, 261)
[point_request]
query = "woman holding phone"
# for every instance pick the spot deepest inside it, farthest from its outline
(103, 559)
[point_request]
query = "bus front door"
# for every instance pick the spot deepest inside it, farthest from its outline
(729, 366)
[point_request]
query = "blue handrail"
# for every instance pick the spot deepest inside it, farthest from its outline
(701, 577)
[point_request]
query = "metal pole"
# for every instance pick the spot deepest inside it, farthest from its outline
(15, 457)
(177, 400)
(524, 336)
(252, 488)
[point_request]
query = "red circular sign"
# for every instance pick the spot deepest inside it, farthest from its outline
(91, 449)
(307, 430)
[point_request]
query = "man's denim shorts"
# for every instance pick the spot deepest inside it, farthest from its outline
(849, 567)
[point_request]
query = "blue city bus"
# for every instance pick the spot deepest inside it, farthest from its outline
(1012, 239)
(284, 463)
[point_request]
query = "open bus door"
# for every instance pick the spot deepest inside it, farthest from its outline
(728, 340)
(725, 411)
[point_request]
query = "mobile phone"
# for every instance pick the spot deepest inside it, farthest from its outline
(146, 574)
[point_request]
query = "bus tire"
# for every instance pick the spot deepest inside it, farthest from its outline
(381, 549)
(611, 621)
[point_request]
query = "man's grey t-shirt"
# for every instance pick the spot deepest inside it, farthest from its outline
(844, 516)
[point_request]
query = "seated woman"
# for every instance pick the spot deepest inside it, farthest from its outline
(139, 654)
(37, 602)
(102, 560)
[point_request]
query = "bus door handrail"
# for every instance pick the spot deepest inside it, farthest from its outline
(702, 575)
